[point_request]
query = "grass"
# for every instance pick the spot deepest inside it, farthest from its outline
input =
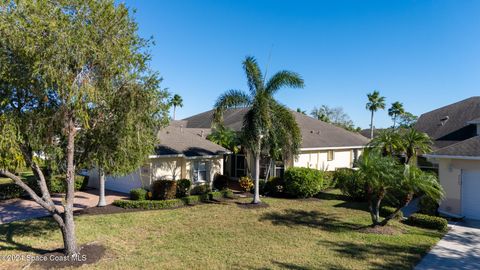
(290, 234)
(5, 180)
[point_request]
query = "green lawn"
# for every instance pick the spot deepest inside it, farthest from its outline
(290, 234)
(4, 180)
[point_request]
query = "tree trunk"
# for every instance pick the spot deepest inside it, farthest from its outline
(174, 109)
(394, 121)
(256, 196)
(68, 231)
(371, 126)
(101, 188)
(407, 200)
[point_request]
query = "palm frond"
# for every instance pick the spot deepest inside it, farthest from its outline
(230, 99)
(283, 78)
(254, 75)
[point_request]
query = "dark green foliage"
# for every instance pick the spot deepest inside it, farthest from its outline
(57, 183)
(164, 189)
(303, 182)
(329, 179)
(429, 222)
(428, 206)
(189, 200)
(350, 185)
(200, 189)
(387, 211)
(228, 193)
(138, 194)
(221, 182)
(275, 186)
(183, 187)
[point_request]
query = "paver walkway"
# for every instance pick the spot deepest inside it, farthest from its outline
(459, 249)
(20, 209)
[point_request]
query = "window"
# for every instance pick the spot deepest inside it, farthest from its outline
(330, 155)
(240, 168)
(200, 171)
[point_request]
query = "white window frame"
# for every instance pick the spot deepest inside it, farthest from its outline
(328, 155)
(197, 172)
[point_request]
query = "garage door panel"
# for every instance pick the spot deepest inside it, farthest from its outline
(471, 194)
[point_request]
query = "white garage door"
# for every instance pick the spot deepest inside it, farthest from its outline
(471, 194)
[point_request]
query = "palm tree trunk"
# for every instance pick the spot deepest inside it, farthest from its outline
(394, 121)
(101, 196)
(174, 109)
(371, 126)
(256, 197)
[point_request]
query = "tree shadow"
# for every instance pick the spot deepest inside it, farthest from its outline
(313, 219)
(362, 206)
(332, 196)
(398, 256)
(38, 228)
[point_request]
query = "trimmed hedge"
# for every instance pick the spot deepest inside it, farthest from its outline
(303, 182)
(350, 185)
(138, 194)
(220, 181)
(164, 189)
(387, 211)
(183, 187)
(275, 186)
(429, 222)
(162, 204)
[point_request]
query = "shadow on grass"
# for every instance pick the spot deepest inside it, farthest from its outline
(313, 219)
(37, 229)
(332, 196)
(394, 256)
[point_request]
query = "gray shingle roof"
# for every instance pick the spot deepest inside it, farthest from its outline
(315, 133)
(466, 148)
(449, 124)
(176, 140)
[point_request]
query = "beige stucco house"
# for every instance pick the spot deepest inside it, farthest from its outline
(455, 130)
(324, 146)
(182, 153)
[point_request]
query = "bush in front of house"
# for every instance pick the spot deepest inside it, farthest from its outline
(57, 183)
(275, 186)
(220, 181)
(183, 187)
(386, 211)
(428, 222)
(164, 189)
(329, 179)
(350, 185)
(303, 182)
(246, 183)
(428, 206)
(162, 204)
(200, 189)
(138, 194)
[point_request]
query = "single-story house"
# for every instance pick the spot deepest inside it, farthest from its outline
(182, 153)
(455, 130)
(324, 146)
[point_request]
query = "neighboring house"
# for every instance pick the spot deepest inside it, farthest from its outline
(455, 130)
(182, 153)
(324, 146)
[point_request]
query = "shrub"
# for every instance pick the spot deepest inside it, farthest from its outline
(428, 206)
(57, 183)
(138, 194)
(328, 179)
(228, 193)
(183, 187)
(275, 186)
(303, 182)
(350, 185)
(148, 204)
(246, 183)
(429, 222)
(164, 189)
(220, 182)
(200, 189)
(387, 211)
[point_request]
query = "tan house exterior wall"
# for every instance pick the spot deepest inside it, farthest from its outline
(317, 159)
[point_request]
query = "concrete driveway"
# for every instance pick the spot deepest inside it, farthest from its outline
(459, 249)
(20, 209)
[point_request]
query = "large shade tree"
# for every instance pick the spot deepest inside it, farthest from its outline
(268, 125)
(375, 102)
(61, 62)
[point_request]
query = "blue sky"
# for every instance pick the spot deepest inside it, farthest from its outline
(425, 54)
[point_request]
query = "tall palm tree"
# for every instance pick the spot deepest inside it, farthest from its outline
(176, 101)
(413, 143)
(395, 111)
(375, 103)
(267, 125)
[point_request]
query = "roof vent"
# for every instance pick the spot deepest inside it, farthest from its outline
(444, 120)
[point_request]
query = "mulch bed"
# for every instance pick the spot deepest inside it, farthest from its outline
(109, 209)
(252, 205)
(385, 230)
(89, 254)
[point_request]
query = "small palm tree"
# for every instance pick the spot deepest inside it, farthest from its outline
(375, 103)
(387, 142)
(395, 111)
(413, 143)
(176, 101)
(225, 137)
(266, 122)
